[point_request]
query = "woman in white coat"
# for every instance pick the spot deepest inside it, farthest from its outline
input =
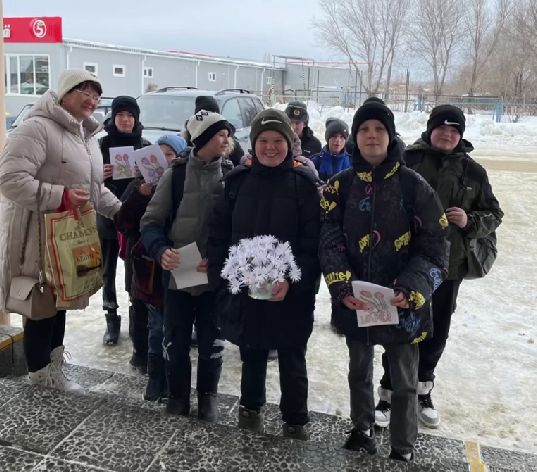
(55, 150)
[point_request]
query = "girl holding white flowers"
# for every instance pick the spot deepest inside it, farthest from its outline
(277, 205)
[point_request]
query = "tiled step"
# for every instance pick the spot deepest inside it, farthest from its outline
(112, 429)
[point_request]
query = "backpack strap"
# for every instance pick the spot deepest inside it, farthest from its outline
(178, 189)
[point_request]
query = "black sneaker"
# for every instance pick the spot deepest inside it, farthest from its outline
(361, 442)
(397, 456)
(383, 413)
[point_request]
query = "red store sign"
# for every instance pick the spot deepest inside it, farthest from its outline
(47, 29)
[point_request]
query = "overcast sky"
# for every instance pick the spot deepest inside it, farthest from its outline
(237, 28)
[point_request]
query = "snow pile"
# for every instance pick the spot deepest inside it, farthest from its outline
(480, 129)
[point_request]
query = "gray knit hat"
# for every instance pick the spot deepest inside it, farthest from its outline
(70, 78)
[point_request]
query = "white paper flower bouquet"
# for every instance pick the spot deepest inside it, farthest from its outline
(260, 263)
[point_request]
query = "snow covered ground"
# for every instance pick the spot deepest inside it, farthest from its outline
(481, 129)
(486, 380)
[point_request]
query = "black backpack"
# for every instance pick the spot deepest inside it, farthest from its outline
(482, 252)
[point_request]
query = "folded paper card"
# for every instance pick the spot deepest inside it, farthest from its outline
(379, 310)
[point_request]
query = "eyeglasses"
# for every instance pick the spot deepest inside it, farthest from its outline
(90, 96)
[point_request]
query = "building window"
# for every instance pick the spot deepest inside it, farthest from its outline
(119, 71)
(212, 76)
(269, 80)
(92, 67)
(148, 72)
(26, 75)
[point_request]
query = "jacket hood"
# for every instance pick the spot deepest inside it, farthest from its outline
(423, 144)
(49, 107)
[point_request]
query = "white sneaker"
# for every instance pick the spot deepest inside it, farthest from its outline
(59, 380)
(41, 378)
(383, 410)
(428, 414)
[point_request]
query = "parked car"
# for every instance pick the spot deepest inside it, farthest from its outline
(169, 108)
(104, 107)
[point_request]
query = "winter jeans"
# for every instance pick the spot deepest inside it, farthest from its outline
(110, 252)
(293, 382)
(41, 338)
(138, 331)
(181, 311)
(404, 373)
(444, 302)
(155, 328)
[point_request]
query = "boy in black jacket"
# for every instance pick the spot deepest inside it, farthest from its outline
(383, 224)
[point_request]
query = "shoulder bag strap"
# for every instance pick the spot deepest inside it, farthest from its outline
(27, 233)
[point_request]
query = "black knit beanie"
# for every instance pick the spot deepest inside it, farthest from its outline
(374, 110)
(125, 103)
(272, 120)
(374, 99)
(207, 103)
(446, 115)
(335, 126)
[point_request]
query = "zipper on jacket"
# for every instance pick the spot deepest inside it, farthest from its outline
(86, 145)
(371, 235)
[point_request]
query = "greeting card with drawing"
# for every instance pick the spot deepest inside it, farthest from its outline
(120, 158)
(151, 162)
(379, 310)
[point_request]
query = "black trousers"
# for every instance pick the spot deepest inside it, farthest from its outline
(181, 311)
(110, 251)
(41, 338)
(444, 304)
(293, 382)
(138, 330)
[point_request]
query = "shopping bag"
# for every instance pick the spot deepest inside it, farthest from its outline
(73, 257)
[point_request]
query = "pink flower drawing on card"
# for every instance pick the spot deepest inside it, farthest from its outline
(152, 165)
(123, 167)
(377, 308)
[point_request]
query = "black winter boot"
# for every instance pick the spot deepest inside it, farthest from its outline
(175, 406)
(251, 419)
(154, 390)
(208, 408)
(295, 432)
(139, 363)
(113, 327)
(360, 441)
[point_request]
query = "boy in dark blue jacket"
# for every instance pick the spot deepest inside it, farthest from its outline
(333, 158)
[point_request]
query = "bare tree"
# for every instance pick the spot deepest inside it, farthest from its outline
(366, 31)
(436, 36)
(485, 23)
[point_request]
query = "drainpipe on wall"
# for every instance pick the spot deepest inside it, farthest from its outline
(143, 75)
(235, 77)
(67, 58)
(262, 82)
(197, 65)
